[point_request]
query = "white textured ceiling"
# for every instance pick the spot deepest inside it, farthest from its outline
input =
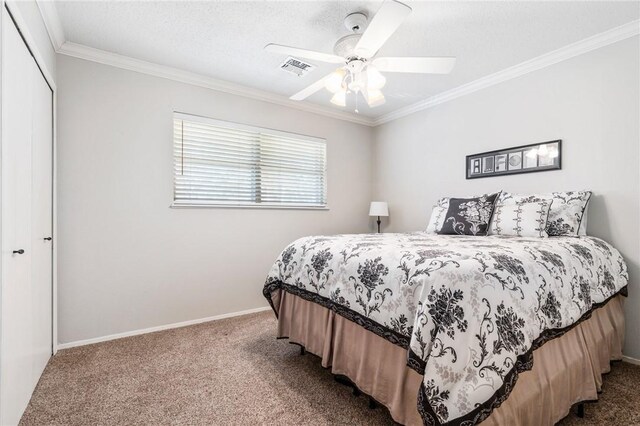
(225, 40)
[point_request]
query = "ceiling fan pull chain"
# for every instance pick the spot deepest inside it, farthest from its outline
(356, 93)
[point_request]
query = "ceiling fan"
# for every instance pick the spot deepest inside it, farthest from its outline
(360, 72)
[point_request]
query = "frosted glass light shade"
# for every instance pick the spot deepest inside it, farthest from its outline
(340, 98)
(375, 80)
(379, 208)
(333, 83)
(375, 97)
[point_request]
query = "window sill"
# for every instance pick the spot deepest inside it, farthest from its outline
(245, 206)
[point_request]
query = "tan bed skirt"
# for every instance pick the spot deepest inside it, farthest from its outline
(566, 370)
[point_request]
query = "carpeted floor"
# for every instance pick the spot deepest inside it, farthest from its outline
(233, 372)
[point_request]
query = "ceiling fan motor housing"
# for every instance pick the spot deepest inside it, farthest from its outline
(355, 22)
(346, 45)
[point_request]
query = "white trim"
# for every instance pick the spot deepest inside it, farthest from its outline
(184, 204)
(170, 73)
(54, 225)
(159, 328)
(56, 34)
(2, 225)
(52, 23)
(246, 127)
(630, 360)
(28, 38)
(583, 46)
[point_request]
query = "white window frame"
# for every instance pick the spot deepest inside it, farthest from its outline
(239, 204)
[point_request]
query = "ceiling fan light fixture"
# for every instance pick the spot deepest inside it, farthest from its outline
(375, 98)
(340, 98)
(333, 82)
(375, 79)
(361, 71)
(358, 82)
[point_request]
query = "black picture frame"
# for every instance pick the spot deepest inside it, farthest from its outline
(515, 160)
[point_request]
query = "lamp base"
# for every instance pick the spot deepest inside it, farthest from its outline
(379, 221)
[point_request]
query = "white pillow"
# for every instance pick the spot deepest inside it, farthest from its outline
(521, 215)
(438, 214)
(582, 231)
(567, 213)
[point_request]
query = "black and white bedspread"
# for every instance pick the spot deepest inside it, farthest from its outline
(469, 310)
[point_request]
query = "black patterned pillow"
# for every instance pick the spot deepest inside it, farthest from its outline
(469, 216)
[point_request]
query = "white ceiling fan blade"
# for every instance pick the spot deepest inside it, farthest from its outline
(382, 26)
(304, 53)
(433, 65)
(310, 90)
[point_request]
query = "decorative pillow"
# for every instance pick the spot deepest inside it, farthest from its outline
(438, 213)
(469, 216)
(520, 215)
(582, 231)
(567, 212)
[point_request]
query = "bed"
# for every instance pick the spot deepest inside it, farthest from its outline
(439, 328)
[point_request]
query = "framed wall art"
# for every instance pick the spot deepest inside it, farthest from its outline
(536, 157)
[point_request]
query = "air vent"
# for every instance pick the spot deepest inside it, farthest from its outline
(296, 66)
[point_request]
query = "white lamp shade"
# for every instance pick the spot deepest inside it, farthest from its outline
(379, 208)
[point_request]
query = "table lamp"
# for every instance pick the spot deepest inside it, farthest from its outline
(379, 208)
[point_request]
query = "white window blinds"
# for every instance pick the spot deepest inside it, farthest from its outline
(223, 163)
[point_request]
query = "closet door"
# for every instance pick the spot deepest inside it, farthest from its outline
(26, 333)
(41, 219)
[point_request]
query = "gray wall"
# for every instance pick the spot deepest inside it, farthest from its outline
(591, 102)
(126, 260)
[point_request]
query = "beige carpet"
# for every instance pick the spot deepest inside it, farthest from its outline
(233, 372)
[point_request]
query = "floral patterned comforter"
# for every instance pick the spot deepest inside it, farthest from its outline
(469, 310)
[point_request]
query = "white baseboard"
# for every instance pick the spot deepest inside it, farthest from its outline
(158, 328)
(60, 346)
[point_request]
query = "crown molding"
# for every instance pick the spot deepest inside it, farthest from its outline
(583, 46)
(56, 34)
(52, 23)
(170, 73)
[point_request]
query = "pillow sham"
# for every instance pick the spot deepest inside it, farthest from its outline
(438, 214)
(521, 216)
(582, 231)
(469, 216)
(567, 213)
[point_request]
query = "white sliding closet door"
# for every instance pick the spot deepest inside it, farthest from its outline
(41, 219)
(26, 294)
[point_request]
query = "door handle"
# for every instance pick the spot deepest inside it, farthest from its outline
(18, 251)
(47, 238)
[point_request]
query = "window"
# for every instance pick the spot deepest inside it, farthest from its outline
(220, 163)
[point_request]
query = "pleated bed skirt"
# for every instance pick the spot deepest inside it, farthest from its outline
(566, 370)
